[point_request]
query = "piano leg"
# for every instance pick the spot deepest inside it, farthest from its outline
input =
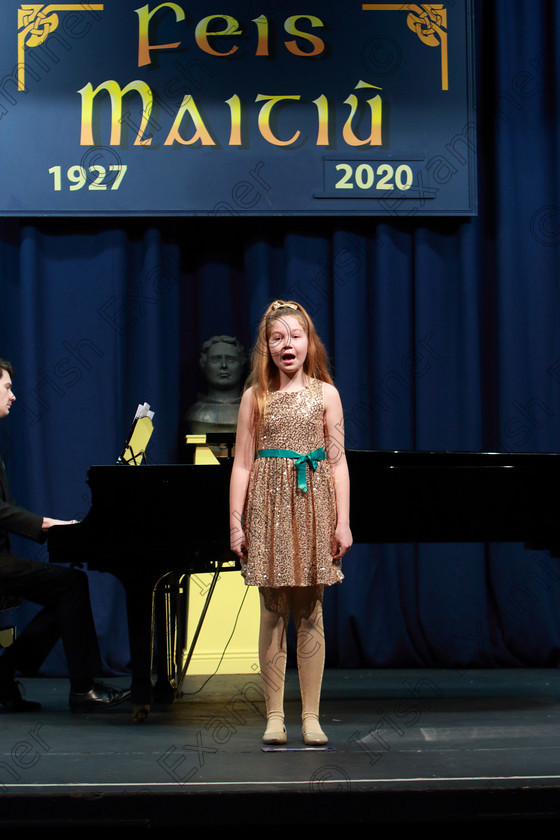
(143, 594)
(139, 591)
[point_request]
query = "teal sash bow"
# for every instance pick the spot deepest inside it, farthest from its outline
(300, 462)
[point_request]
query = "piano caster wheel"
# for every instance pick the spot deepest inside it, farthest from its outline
(140, 713)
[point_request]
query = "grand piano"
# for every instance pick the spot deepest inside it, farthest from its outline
(435, 497)
(154, 523)
(150, 526)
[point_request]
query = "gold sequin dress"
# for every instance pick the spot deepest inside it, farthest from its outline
(289, 531)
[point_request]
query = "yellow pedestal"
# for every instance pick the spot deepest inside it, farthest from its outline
(231, 625)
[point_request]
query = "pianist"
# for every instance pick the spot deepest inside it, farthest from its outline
(62, 592)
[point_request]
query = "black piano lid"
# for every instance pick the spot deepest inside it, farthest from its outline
(448, 458)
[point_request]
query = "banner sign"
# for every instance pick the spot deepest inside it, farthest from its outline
(242, 108)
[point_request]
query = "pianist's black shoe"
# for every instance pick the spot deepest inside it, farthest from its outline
(12, 699)
(99, 697)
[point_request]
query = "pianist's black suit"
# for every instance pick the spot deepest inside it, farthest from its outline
(62, 592)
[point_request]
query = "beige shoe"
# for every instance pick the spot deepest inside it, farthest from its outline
(275, 732)
(312, 733)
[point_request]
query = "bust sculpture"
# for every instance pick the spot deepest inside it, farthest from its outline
(222, 360)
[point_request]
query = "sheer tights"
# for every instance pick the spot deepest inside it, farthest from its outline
(305, 604)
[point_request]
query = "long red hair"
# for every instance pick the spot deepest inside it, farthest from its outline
(263, 370)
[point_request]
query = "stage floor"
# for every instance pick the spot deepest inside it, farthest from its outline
(405, 746)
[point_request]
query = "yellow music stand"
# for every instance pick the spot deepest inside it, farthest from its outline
(135, 450)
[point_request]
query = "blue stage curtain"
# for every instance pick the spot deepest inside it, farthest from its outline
(89, 321)
(443, 334)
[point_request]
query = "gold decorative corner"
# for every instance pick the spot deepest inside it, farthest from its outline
(428, 21)
(36, 21)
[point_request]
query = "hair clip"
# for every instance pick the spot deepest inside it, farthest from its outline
(279, 304)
